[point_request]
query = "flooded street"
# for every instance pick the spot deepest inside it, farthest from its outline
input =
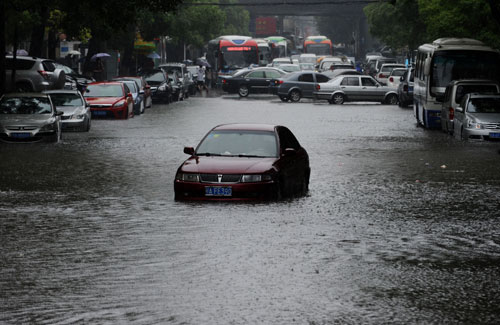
(401, 224)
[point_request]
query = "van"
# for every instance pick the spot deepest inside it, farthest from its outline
(455, 92)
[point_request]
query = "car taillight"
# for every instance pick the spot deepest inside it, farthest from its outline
(451, 113)
(391, 79)
(44, 74)
(278, 82)
(224, 81)
(318, 87)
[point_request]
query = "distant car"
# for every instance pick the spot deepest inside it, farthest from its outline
(144, 86)
(297, 85)
(178, 91)
(180, 69)
(279, 61)
(33, 74)
(335, 62)
(244, 162)
(157, 79)
(394, 78)
(290, 67)
(76, 111)
(29, 117)
(137, 94)
(478, 117)
(455, 92)
(385, 70)
(110, 99)
(359, 88)
(247, 81)
(339, 72)
(306, 66)
(307, 58)
(405, 88)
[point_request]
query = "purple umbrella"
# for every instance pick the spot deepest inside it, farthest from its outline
(99, 55)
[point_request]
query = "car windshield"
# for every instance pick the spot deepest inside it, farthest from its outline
(398, 72)
(484, 105)
(463, 90)
(154, 76)
(103, 90)
(25, 105)
(239, 143)
(66, 99)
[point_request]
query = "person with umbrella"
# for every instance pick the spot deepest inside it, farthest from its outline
(98, 70)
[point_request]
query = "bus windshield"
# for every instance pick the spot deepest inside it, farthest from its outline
(238, 57)
(466, 64)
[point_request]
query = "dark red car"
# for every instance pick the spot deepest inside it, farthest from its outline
(244, 162)
(109, 100)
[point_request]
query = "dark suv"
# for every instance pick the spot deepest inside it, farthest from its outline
(33, 74)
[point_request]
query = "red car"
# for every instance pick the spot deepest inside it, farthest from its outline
(244, 162)
(110, 99)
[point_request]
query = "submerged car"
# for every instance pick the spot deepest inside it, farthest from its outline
(137, 94)
(161, 90)
(110, 99)
(478, 117)
(359, 88)
(297, 85)
(76, 112)
(29, 117)
(244, 162)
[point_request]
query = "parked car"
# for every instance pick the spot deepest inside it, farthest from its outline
(306, 66)
(33, 74)
(76, 111)
(339, 72)
(182, 75)
(455, 92)
(144, 86)
(137, 94)
(478, 117)
(373, 66)
(405, 88)
(251, 81)
(394, 78)
(29, 117)
(385, 70)
(110, 99)
(244, 162)
(297, 85)
(178, 91)
(350, 88)
(160, 88)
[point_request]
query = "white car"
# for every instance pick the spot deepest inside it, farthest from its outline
(478, 117)
(385, 70)
(394, 78)
(76, 111)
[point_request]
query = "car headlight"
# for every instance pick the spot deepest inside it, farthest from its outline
(187, 177)
(48, 127)
(474, 125)
(255, 178)
(162, 87)
(119, 103)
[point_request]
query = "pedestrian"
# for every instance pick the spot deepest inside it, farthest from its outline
(208, 77)
(200, 73)
(98, 70)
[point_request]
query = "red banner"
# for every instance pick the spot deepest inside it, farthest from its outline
(265, 26)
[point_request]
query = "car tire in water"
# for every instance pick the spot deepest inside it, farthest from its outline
(243, 91)
(295, 96)
(392, 99)
(284, 98)
(337, 99)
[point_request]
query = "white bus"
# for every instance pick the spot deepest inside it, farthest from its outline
(443, 61)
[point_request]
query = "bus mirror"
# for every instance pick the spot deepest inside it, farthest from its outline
(427, 66)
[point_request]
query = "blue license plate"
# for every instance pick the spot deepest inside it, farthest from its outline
(495, 135)
(22, 135)
(99, 113)
(218, 191)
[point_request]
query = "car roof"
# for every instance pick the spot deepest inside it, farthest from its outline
(105, 83)
(473, 81)
(479, 95)
(245, 127)
(61, 91)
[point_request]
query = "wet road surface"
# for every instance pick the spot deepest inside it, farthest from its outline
(400, 225)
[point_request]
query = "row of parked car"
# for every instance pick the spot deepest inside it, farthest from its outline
(51, 97)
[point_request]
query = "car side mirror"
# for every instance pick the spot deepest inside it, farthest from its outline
(459, 109)
(189, 150)
(59, 113)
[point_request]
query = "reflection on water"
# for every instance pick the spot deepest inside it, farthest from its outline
(400, 225)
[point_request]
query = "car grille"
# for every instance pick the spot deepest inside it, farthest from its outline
(21, 128)
(492, 126)
(100, 105)
(224, 178)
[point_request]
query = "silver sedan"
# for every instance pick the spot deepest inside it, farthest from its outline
(76, 112)
(355, 88)
(478, 117)
(29, 117)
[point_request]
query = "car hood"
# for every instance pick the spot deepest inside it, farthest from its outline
(69, 110)
(227, 165)
(102, 100)
(485, 117)
(24, 119)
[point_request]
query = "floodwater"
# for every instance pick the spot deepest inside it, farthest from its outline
(401, 225)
